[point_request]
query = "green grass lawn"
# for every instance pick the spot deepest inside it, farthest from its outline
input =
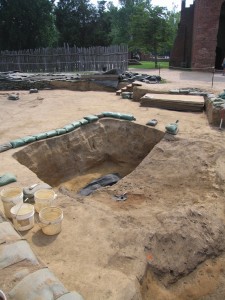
(150, 65)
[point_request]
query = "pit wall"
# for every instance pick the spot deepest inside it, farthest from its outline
(140, 91)
(107, 83)
(23, 85)
(213, 106)
(74, 153)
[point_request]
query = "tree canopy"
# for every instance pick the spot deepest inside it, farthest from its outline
(150, 31)
(26, 24)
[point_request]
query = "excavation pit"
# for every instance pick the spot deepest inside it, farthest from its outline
(71, 161)
(101, 250)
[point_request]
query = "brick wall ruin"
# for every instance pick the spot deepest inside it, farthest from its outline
(200, 41)
(181, 54)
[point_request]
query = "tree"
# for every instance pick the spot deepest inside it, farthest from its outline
(122, 19)
(151, 31)
(26, 24)
(157, 31)
(75, 21)
(173, 19)
(102, 26)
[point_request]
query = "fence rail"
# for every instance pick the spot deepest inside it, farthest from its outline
(66, 59)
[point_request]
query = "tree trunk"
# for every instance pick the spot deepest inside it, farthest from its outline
(156, 58)
(156, 61)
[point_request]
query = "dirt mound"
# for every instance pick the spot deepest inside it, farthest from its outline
(186, 239)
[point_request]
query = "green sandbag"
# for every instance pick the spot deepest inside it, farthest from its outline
(76, 124)
(117, 115)
(17, 143)
(7, 178)
(222, 95)
(4, 147)
(152, 122)
(218, 104)
(127, 95)
(110, 114)
(29, 139)
(172, 128)
(128, 117)
(184, 91)
(41, 136)
(60, 131)
(91, 118)
(101, 115)
(83, 121)
(69, 127)
(51, 133)
(216, 100)
(174, 91)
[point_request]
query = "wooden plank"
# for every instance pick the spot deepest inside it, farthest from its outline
(174, 102)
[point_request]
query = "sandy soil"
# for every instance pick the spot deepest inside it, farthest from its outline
(109, 250)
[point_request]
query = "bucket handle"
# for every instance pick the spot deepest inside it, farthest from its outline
(21, 206)
(12, 202)
(41, 225)
(38, 223)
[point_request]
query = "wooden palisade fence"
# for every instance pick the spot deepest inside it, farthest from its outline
(66, 59)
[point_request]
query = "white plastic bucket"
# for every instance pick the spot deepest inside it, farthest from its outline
(44, 198)
(10, 197)
(23, 216)
(51, 220)
(2, 295)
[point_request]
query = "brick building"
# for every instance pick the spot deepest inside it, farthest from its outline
(200, 41)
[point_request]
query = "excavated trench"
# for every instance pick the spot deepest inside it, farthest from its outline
(72, 160)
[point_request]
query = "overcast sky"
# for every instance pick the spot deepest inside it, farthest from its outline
(170, 3)
(166, 3)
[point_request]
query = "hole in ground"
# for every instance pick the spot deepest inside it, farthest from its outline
(72, 160)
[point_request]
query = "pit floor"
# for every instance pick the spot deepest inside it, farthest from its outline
(100, 251)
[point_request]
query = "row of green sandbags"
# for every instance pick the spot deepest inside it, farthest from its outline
(117, 115)
(219, 101)
(68, 128)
